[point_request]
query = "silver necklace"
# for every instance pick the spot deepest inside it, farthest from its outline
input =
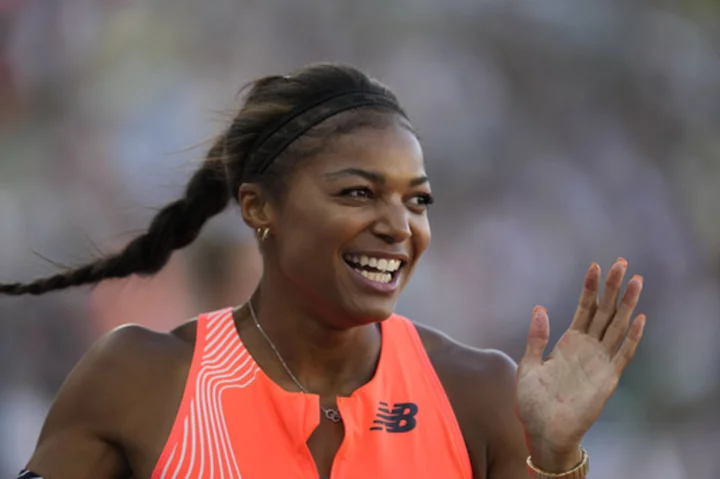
(330, 413)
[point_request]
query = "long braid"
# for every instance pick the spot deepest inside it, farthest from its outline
(175, 226)
(229, 164)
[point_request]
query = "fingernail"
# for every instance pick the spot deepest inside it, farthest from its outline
(622, 261)
(642, 319)
(594, 266)
(539, 308)
(638, 278)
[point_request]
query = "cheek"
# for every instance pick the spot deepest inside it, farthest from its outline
(421, 235)
(311, 239)
(298, 238)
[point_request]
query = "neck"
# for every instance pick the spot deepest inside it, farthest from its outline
(325, 360)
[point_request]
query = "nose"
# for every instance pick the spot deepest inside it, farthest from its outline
(393, 224)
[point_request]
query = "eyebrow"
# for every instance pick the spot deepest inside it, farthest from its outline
(370, 176)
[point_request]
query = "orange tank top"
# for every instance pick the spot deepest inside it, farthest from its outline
(234, 422)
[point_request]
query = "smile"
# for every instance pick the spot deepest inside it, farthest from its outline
(382, 271)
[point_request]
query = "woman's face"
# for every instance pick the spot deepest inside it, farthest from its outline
(354, 223)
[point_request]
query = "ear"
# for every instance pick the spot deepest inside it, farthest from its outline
(255, 206)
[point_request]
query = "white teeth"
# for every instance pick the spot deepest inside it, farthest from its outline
(381, 264)
(377, 277)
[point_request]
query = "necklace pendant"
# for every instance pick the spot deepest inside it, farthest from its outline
(333, 415)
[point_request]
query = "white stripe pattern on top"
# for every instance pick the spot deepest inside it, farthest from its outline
(206, 450)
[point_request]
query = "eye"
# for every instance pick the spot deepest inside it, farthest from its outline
(360, 192)
(423, 199)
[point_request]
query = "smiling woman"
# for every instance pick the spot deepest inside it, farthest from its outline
(316, 376)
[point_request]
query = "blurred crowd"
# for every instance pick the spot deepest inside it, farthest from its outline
(556, 133)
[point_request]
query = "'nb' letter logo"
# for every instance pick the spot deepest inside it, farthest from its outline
(401, 418)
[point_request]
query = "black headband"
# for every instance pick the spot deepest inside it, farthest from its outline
(269, 145)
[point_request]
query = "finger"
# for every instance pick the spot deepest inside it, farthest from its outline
(608, 303)
(588, 304)
(627, 350)
(618, 326)
(538, 337)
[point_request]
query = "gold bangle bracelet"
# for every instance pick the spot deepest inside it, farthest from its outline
(578, 472)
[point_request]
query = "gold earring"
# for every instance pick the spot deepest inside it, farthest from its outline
(263, 233)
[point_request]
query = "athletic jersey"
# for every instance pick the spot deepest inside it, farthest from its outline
(235, 422)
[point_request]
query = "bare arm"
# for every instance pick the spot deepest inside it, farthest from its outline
(80, 437)
(507, 450)
(480, 385)
(484, 381)
(490, 406)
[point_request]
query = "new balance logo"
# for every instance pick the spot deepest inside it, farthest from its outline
(401, 418)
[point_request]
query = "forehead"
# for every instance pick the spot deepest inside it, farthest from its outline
(392, 151)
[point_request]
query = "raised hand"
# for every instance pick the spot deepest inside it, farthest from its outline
(559, 398)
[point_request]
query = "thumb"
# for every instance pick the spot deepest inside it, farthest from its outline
(538, 337)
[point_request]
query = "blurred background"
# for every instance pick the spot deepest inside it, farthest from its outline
(557, 132)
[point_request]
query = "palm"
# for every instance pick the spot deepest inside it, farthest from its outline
(559, 398)
(567, 392)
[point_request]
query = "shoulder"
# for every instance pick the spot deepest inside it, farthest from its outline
(112, 380)
(480, 385)
(114, 401)
(114, 356)
(459, 362)
(132, 348)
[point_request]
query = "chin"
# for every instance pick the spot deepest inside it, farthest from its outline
(367, 311)
(364, 301)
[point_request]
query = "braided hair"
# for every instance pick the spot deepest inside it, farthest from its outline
(283, 119)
